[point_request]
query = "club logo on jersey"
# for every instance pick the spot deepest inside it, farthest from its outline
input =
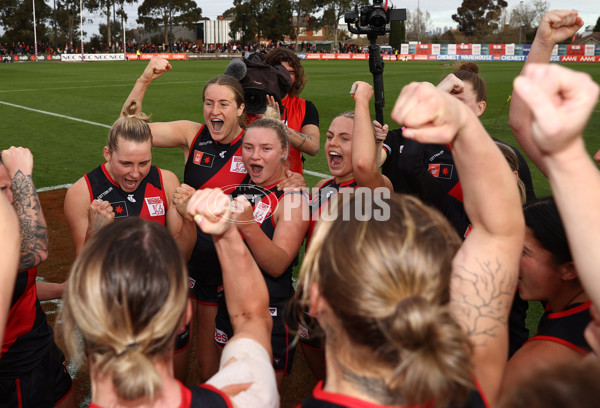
(222, 154)
(303, 332)
(261, 211)
(156, 208)
(131, 198)
(203, 159)
(237, 166)
(120, 209)
(441, 170)
(273, 311)
(221, 337)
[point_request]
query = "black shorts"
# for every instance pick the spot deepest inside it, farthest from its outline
(45, 386)
(205, 281)
(281, 339)
(208, 295)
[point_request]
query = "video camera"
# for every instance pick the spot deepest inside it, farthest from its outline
(372, 19)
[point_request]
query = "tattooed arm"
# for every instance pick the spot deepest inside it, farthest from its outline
(485, 268)
(34, 232)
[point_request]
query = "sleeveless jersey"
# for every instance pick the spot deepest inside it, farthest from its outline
(321, 199)
(324, 399)
(148, 201)
(566, 327)
(211, 164)
(203, 396)
(264, 202)
(27, 336)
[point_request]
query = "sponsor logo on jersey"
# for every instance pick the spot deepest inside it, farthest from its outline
(261, 212)
(273, 311)
(120, 209)
(131, 198)
(203, 159)
(441, 170)
(222, 154)
(191, 283)
(101, 195)
(221, 337)
(237, 166)
(156, 207)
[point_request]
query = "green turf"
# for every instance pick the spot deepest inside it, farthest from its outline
(65, 149)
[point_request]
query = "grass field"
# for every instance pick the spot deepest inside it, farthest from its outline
(65, 148)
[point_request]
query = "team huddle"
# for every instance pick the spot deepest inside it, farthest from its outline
(413, 288)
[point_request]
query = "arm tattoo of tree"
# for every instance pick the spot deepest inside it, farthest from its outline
(483, 300)
(34, 232)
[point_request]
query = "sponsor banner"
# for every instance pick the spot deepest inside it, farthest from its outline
(555, 58)
(519, 58)
(301, 55)
(421, 57)
(29, 58)
(405, 57)
(496, 49)
(476, 49)
(360, 56)
(464, 49)
(343, 56)
(388, 57)
(452, 49)
(92, 57)
(580, 58)
(163, 55)
(436, 49)
(328, 56)
(589, 49)
(423, 49)
(404, 49)
(312, 56)
(446, 57)
(575, 49)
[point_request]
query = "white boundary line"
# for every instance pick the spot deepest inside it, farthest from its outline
(58, 115)
(312, 173)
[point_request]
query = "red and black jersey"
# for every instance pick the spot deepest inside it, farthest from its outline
(297, 113)
(324, 399)
(211, 164)
(204, 396)
(322, 197)
(27, 336)
(265, 201)
(148, 201)
(566, 327)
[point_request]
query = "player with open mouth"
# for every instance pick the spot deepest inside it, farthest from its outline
(272, 224)
(351, 150)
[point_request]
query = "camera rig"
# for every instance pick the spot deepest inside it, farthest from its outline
(373, 20)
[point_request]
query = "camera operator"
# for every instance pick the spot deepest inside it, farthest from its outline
(301, 116)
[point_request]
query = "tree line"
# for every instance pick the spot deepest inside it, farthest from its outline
(58, 21)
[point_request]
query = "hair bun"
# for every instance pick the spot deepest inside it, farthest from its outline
(469, 66)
